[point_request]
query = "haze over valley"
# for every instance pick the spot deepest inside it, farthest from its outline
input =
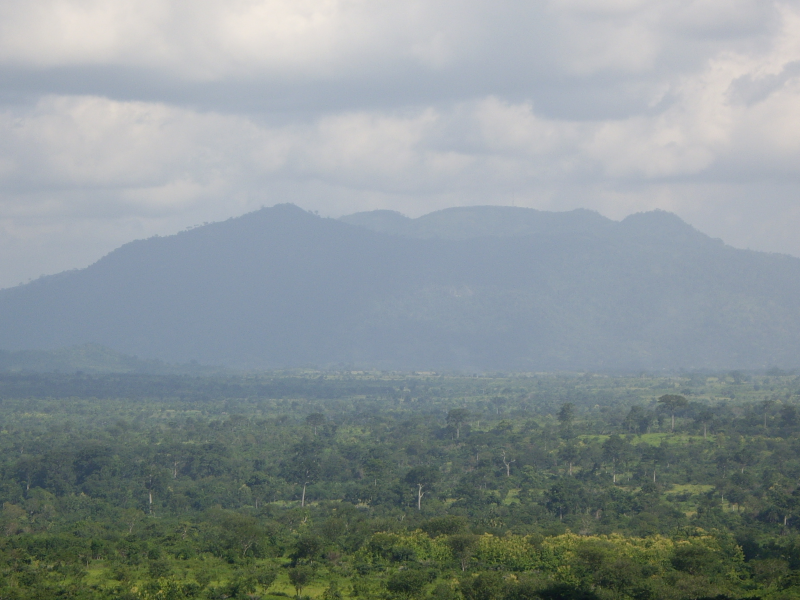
(480, 288)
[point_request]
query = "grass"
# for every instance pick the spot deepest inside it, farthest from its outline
(653, 439)
(692, 488)
(512, 497)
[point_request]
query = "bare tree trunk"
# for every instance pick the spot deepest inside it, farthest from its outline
(420, 494)
(303, 498)
(508, 465)
(150, 494)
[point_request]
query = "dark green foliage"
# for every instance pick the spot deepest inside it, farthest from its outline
(332, 592)
(407, 583)
(446, 525)
(485, 586)
(265, 576)
(463, 547)
(192, 488)
(300, 577)
(564, 591)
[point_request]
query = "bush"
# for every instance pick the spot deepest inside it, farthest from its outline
(406, 583)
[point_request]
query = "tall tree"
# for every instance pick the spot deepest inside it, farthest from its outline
(456, 418)
(422, 477)
(316, 420)
(673, 403)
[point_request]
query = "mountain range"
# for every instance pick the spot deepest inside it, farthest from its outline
(478, 288)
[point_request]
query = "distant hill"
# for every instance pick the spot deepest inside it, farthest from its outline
(481, 288)
(90, 359)
(465, 223)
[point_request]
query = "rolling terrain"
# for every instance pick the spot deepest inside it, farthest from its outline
(482, 288)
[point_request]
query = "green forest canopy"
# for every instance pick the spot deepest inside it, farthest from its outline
(381, 485)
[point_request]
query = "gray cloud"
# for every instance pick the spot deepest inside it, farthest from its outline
(133, 118)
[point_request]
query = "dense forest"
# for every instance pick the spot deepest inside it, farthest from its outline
(384, 485)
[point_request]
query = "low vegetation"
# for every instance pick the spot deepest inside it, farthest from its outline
(400, 486)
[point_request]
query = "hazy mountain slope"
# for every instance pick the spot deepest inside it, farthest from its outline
(89, 358)
(463, 223)
(282, 287)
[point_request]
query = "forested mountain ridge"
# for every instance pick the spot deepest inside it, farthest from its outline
(90, 359)
(461, 223)
(473, 288)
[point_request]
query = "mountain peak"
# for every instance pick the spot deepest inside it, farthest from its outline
(471, 222)
(466, 288)
(663, 225)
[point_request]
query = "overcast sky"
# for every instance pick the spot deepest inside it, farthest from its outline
(128, 118)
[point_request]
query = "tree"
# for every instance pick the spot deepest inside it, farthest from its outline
(507, 464)
(333, 592)
(316, 420)
(486, 586)
(462, 546)
(615, 450)
(638, 420)
(266, 577)
(789, 416)
(566, 414)
(421, 477)
(705, 416)
(569, 454)
(308, 546)
(766, 405)
(498, 402)
(406, 584)
(456, 417)
(565, 496)
(241, 531)
(673, 403)
(303, 467)
(300, 577)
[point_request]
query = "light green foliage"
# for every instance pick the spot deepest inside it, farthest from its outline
(148, 487)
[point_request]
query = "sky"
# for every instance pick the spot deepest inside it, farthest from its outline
(127, 119)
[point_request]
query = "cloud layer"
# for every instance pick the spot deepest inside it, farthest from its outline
(126, 119)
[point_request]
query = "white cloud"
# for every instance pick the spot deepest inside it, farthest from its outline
(621, 106)
(323, 39)
(91, 142)
(219, 39)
